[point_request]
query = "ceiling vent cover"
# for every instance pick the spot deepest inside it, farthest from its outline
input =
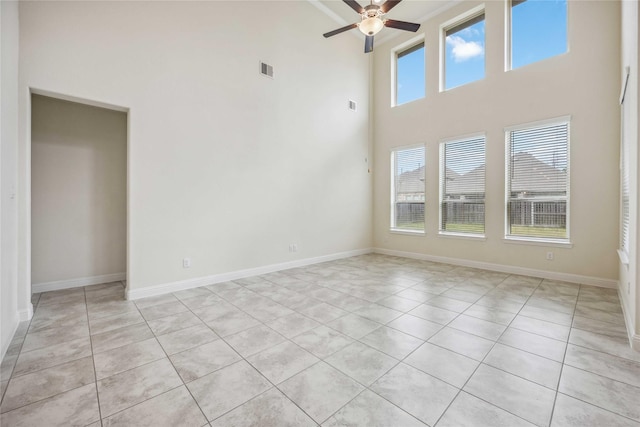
(352, 105)
(266, 69)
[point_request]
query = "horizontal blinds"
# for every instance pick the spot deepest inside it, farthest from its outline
(538, 162)
(463, 186)
(624, 182)
(411, 50)
(409, 184)
(466, 24)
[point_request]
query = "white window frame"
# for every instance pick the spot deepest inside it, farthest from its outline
(460, 19)
(442, 172)
(409, 44)
(544, 241)
(392, 194)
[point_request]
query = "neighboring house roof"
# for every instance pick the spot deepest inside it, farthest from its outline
(528, 172)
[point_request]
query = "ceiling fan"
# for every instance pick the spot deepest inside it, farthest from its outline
(372, 21)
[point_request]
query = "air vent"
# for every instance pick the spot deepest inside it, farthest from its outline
(266, 69)
(352, 105)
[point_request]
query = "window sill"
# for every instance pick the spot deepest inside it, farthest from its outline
(624, 256)
(539, 242)
(407, 232)
(466, 236)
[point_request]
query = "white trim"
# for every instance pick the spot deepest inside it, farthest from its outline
(634, 339)
(165, 288)
(540, 123)
(538, 242)
(77, 283)
(523, 271)
(467, 236)
(407, 232)
(5, 345)
(624, 257)
(25, 315)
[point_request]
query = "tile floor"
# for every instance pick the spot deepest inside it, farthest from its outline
(365, 341)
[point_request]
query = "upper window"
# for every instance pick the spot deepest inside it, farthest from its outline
(538, 181)
(407, 189)
(410, 74)
(462, 176)
(464, 51)
(538, 30)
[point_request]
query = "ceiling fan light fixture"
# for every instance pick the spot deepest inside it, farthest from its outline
(371, 26)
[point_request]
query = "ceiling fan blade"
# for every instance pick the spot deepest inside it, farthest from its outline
(368, 44)
(340, 30)
(401, 25)
(353, 4)
(388, 5)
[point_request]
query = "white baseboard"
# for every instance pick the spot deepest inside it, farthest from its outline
(26, 314)
(181, 285)
(6, 341)
(77, 283)
(634, 339)
(523, 271)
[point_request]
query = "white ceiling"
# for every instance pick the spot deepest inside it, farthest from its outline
(416, 11)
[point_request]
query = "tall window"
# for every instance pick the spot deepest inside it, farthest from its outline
(410, 74)
(538, 181)
(538, 30)
(464, 51)
(462, 177)
(407, 189)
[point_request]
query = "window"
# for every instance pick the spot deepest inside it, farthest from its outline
(410, 74)
(538, 181)
(538, 30)
(464, 51)
(462, 177)
(624, 181)
(407, 189)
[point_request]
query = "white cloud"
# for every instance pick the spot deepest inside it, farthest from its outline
(464, 50)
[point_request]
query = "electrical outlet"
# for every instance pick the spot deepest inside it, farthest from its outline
(549, 256)
(293, 247)
(186, 262)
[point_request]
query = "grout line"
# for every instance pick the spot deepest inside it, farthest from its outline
(93, 360)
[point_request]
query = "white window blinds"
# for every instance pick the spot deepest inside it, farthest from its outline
(538, 181)
(462, 186)
(624, 183)
(407, 199)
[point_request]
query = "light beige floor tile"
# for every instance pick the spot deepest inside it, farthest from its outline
(227, 388)
(370, 410)
(62, 319)
(378, 313)
(199, 361)
(434, 314)
(607, 344)
(547, 315)
(173, 408)
(282, 361)
(27, 389)
(106, 324)
(415, 326)
(570, 412)
(450, 367)
(293, 324)
(536, 344)
(361, 362)
(323, 312)
(53, 336)
(354, 326)
(490, 314)
(523, 398)
(74, 407)
(254, 340)
(127, 357)
(392, 342)
(231, 323)
(526, 365)
(120, 337)
(7, 366)
(174, 323)
(421, 395)
(467, 410)
(597, 390)
(157, 300)
(616, 368)
(162, 310)
(398, 303)
(129, 388)
(182, 340)
(541, 327)
(201, 301)
(111, 308)
(479, 327)
(449, 304)
(322, 341)
(52, 356)
(202, 292)
(270, 409)
(320, 390)
(600, 327)
(463, 343)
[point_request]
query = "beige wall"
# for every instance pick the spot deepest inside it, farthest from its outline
(9, 314)
(629, 289)
(226, 167)
(78, 191)
(583, 83)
